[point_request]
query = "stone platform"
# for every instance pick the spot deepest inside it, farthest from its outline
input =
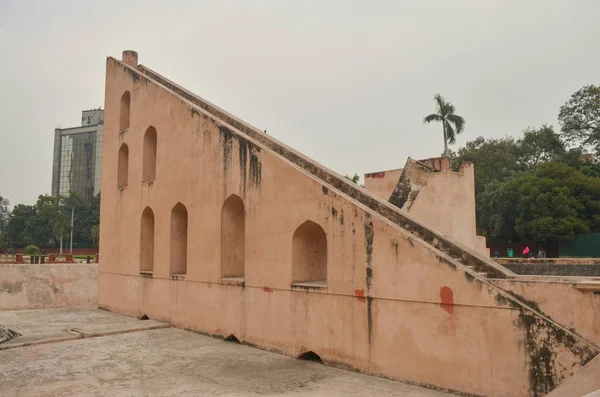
(91, 352)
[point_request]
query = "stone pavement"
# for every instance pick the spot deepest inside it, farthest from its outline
(114, 355)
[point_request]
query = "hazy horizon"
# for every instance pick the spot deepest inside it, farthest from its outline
(346, 83)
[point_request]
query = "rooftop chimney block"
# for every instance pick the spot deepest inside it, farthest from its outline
(130, 57)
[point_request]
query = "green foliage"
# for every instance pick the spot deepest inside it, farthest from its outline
(539, 146)
(554, 203)
(452, 124)
(589, 169)
(37, 224)
(61, 224)
(532, 189)
(95, 235)
(32, 250)
(494, 159)
(355, 178)
(579, 118)
(10, 251)
(87, 215)
(38, 227)
(16, 231)
(4, 215)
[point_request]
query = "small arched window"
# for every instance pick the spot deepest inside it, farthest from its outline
(179, 239)
(149, 159)
(309, 253)
(123, 166)
(124, 114)
(232, 237)
(147, 241)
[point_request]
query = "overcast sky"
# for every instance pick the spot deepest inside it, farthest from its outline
(345, 82)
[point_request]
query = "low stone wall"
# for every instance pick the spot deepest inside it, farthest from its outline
(549, 261)
(26, 286)
(578, 267)
(548, 269)
(562, 301)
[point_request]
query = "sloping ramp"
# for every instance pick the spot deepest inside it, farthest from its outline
(586, 380)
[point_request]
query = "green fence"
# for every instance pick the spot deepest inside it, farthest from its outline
(584, 245)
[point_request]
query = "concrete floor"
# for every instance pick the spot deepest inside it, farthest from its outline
(159, 362)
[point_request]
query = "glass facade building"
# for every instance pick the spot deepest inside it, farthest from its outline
(77, 160)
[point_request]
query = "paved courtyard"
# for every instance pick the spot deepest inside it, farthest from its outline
(90, 352)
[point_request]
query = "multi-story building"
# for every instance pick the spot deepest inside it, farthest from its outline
(77, 162)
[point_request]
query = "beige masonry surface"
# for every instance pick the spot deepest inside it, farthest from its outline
(32, 286)
(383, 294)
(431, 193)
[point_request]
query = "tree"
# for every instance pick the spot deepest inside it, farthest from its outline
(355, 178)
(34, 224)
(38, 228)
(551, 203)
(539, 146)
(495, 161)
(16, 233)
(95, 235)
(495, 211)
(452, 124)
(579, 118)
(87, 216)
(61, 226)
(4, 217)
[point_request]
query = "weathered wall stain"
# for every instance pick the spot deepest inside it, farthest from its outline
(255, 165)
(543, 342)
(447, 299)
(369, 236)
(226, 137)
(243, 159)
(11, 287)
(246, 150)
(375, 175)
(394, 245)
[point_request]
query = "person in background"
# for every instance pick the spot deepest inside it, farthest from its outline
(526, 252)
(541, 253)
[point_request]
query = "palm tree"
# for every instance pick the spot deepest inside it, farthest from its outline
(61, 227)
(452, 124)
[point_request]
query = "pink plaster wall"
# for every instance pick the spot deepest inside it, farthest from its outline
(393, 305)
(382, 183)
(26, 286)
(445, 200)
(562, 301)
(583, 382)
